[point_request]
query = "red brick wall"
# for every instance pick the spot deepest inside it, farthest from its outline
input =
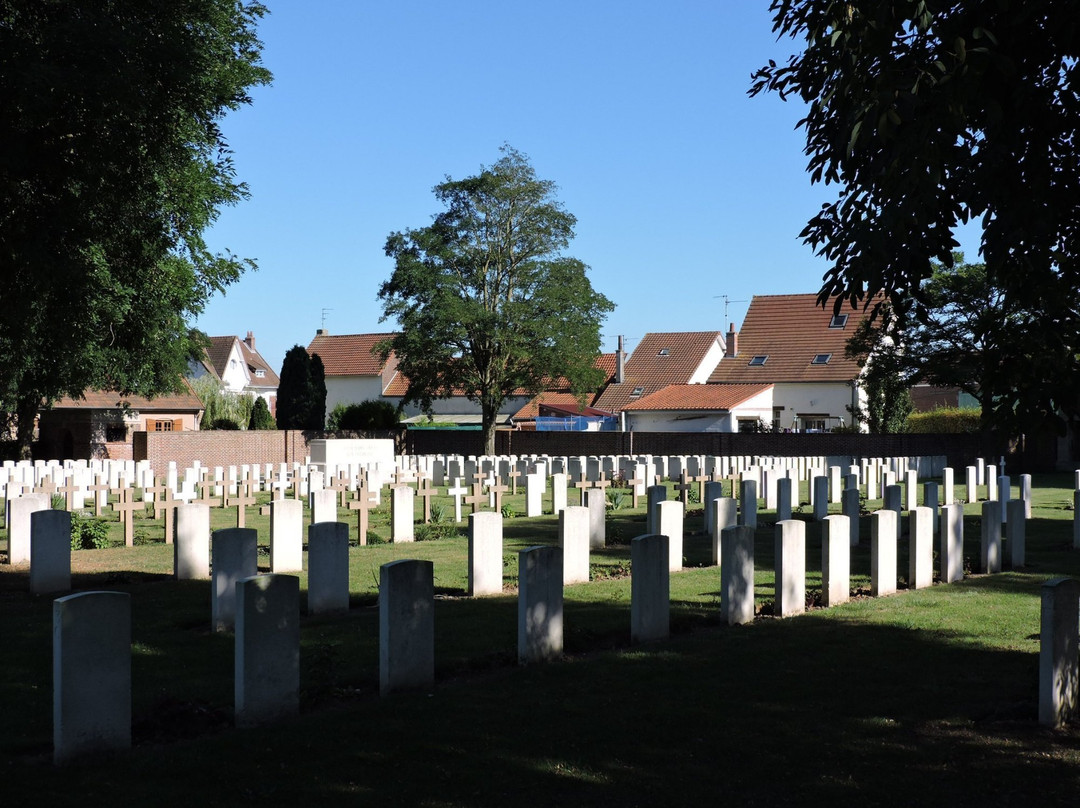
(228, 448)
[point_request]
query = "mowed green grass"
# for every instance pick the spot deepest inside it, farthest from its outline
(924, 697)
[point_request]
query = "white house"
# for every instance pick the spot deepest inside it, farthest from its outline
(791, 343)
(701, 408)
(239, 367)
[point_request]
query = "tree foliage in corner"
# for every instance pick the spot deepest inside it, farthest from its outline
(878, 346)
(112, 166)
(932, 113)
(486, 300)
(301, 396)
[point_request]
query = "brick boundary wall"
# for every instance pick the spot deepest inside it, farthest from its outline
(226, 448)
(231, 448)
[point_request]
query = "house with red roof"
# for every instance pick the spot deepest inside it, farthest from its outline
(701, 408)
(662, 359)
(238, 367)
(795, 345)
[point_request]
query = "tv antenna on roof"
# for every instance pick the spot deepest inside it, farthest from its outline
(323, 326)
(729, 300)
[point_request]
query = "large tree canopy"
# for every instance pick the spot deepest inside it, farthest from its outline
(112, 166)
(487, 303)
(933, 113)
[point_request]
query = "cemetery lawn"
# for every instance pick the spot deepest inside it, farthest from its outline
(923, 697)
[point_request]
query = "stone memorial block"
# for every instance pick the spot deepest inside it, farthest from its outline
(50, 552)
(402, 514)
(931, 501)
(1059, 654)
(406, 626)
(971, 484)
(534, 494)
(836, 559)
(748, 503)
(893, 501)
(287, 535)
(654, 494)
(769, 487)
(713, 491)
(992, 485)
(872, 478)
(328, 568)
(951, 543)
(1025, 494)
(852, 509)
(980, 471)
(91, 674)
(191, 545)
(1015, 533)
(540, 604)
(574, 527)
(790, 567)
(596, 502)
(724, 515)
(820, 497)
(558, 492)
(485, 553)
(948, 494)
(883, 552)
(1004, 486)
(650, 591)
(323, 505)
(990, 546)
(920, 547)
(19, 532)
(835, 485)
(234, 556)
(669, 522)
(266, 683)
(737, 575)
(911, 489)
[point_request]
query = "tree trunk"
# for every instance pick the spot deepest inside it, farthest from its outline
(488, 419)
(25, 415)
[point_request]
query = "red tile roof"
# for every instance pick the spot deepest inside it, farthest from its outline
(349, 354)
(660, 359)
(698, 397)
(559, 399)
(790, 330)
(103, 400)
(255, 362)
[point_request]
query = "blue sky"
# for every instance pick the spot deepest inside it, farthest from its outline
(684, 188)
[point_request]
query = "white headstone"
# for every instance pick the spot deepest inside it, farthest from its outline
(328, 568)
(650, 592)
(266, 666)
(406, 626)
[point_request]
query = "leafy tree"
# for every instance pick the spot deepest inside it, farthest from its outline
(486, 301)
(295, 395)
(929, 115)
(317, 415)
(112, 166)
(221, 408)
(301, 397)
(260, 415)
(879, 347)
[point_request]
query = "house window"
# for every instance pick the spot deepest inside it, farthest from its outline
(636, 392)
(812, 423)
(747, 425)
(821, 359)
(663, 352)
(163, 426)
(115, 433)
(838, 321)
(259, 373)
(777, 417)
(758, 361)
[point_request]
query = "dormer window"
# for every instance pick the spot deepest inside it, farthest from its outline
(637, 392)
(821, 359)
(260, 373)
(759, 360)
(663, 352)
(838, 321)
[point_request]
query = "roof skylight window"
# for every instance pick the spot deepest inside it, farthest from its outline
(838, 321)
(759, 360)
(663, 352)
(821, 359)
(637, 391)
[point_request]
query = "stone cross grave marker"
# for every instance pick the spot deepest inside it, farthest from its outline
(365, 500)
(126, 505)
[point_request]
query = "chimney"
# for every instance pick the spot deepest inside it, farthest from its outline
(620, 361)
(249, 340)
(321, 332)
(731, 344)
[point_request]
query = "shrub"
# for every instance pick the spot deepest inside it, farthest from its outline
(945, 420)
(433, 531)
(260, 415)
(88, 533)
(366, 415)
